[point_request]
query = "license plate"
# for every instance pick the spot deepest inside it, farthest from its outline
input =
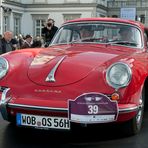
(42, 121)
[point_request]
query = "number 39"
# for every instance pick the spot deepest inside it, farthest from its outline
(93, 109)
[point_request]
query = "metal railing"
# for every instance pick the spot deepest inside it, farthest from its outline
(119, 4)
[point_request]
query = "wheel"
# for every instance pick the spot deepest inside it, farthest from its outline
(133, 126)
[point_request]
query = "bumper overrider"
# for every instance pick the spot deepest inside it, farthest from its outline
(5, 97)
(73, 114)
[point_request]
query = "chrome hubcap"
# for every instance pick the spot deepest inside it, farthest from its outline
(138, 117)
(139, 114)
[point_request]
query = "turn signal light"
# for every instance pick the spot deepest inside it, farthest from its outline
(115, 96)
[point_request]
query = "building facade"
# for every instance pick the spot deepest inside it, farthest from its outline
(115, 8)
(28, 16)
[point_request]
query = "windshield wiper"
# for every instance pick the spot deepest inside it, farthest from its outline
(103, 40)
(97, 40)
(123, 43)
(87, 39)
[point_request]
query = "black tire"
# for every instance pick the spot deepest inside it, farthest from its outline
(133, 126)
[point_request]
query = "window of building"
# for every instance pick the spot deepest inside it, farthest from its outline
(38, 23)
(6, 19)
(17, 23)
(38, 27)
(17, 26)
(5, 23)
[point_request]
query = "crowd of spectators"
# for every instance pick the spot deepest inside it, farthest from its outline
(9, 42)
(28, 41)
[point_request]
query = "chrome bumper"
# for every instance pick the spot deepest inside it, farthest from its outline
(37, 108)
(5, 98)
(51, 109)
(3, 103)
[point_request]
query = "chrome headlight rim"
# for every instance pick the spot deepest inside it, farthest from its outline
(129, 71)
(6, 69)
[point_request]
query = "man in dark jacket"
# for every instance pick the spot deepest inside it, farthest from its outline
(5, 43)
(48, 31)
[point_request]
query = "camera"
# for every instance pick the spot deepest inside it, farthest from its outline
(49, 24)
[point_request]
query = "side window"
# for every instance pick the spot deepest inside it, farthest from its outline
(146, 37)
(68, 36)
(64, 36)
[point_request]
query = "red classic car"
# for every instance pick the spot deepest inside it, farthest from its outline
(94, 71)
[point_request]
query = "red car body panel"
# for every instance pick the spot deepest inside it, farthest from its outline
(58, 96)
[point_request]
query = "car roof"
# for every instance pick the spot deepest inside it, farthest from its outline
(107, 19)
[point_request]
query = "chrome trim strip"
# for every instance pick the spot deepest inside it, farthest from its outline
(51, 75)
(61, 109)
(3, 103)
(127, 110)
(37, 107)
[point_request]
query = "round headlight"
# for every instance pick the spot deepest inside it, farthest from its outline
(118, 75)
(3, 67)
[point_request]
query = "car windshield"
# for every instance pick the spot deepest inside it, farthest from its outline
(108, 33)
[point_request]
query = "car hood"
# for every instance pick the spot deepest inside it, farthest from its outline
(66, 66)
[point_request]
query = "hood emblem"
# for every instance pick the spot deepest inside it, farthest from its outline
(51, 75)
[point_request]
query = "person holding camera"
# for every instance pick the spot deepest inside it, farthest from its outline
(48, 31)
